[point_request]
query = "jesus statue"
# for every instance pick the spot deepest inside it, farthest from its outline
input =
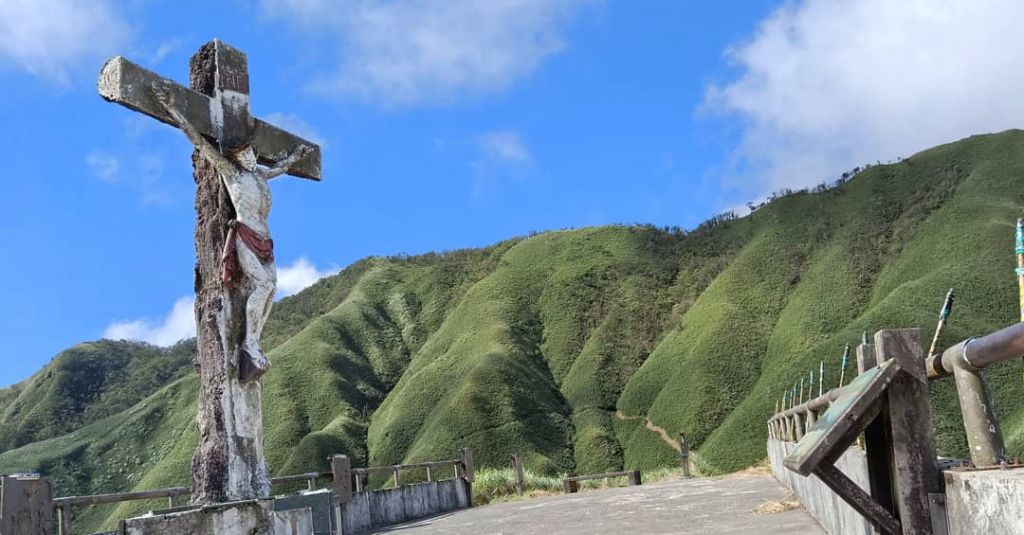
(248, 249)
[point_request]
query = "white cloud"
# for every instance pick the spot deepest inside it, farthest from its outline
(177, 325)
(824, 86)
(296, 125)
(49, 38)
(142, 173)
(299, 276)
(103, 165)
(180, 324)
(165, 49)
(410, 51)
(504, 146)
(502, 155)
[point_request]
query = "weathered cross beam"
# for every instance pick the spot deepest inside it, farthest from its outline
(222, 114)
(235, 274)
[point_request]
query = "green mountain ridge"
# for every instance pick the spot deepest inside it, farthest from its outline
(532, 345)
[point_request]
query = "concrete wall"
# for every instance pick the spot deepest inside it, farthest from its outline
(379, 508)
(255, 517)
(989, 501)
(831, 511)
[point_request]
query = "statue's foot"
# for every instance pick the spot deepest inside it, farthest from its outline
(252, 363)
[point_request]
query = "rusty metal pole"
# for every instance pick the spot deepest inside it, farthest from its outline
(984, 437)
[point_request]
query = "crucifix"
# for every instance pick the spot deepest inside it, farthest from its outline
(235, 275)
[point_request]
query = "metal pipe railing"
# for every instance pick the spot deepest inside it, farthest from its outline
(975, 354)
(174, 495)
(965, 361)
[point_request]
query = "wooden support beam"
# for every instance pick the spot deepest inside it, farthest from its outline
(910, 426)
(877, 441)
(857, 498)
(130, 85)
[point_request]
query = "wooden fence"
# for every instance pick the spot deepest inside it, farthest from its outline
(341, 476)
(572, 484)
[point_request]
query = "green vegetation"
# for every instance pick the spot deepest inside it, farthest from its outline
(499, 485)
(557, 346)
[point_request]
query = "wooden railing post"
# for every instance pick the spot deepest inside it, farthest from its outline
(467, 465)
(910, 425)
(570, 486)
(517, 473)
(634, 478)
(341, 469)
(397, 483)
(684, 454)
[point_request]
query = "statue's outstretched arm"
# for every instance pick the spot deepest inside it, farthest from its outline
(166, 99)
(282, 166)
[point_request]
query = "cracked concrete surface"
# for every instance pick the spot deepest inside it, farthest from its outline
(695, 506)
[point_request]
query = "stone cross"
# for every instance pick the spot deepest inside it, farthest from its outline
(232, 202)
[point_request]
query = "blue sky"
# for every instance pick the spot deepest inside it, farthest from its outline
(451, 124)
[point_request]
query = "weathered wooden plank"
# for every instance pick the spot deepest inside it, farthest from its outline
(130, 85)
(126, 83)
(117, 497)
(272, 144)
(838, 427)
(857, 498)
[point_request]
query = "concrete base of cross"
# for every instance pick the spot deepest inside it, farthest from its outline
(250, 517)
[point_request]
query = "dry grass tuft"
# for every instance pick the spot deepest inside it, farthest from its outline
(769, 507)
(762, 468)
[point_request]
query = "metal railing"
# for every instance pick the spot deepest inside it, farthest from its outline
(965, 362)
(571, 484)
(362, 473)
(463, 467)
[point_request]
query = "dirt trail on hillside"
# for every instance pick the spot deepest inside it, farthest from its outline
(674, 444)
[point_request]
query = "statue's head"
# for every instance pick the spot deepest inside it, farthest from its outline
(244, 156)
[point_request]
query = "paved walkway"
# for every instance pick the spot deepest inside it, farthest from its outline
(696, 506)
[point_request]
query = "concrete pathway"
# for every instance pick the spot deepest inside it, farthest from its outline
(695, 506)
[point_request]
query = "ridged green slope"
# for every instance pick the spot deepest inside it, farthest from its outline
(532, 345)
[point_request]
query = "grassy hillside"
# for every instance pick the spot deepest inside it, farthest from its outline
(557, 346)
(84, 384)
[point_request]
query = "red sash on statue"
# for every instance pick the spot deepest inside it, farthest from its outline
(232, 268)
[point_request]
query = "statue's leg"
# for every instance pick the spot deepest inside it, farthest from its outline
(262, 281)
